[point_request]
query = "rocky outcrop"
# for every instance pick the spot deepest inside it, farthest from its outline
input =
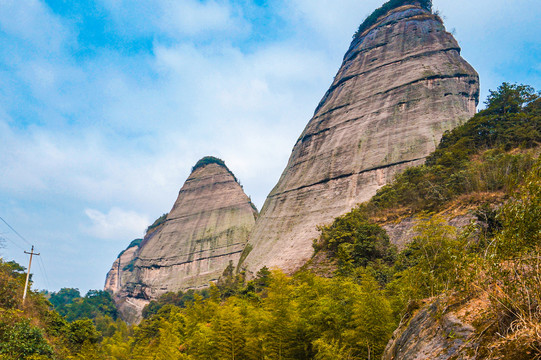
(113, 281)
(207, 228)
(401, 85)
(439, 330)
(402, 232)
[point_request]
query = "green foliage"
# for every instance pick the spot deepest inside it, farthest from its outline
(388, 6)
(212, 160)
(80, 332)
(512, 275)
(301, 317)
(435, 257)
(208, 160)
(95, 304)
(63, 297)
(510, 98)
(355, 241)
(521, 219)
(372, 320)
(12, 278)
(159, 221)
(34, 330)
(180, 299)
(474, 157)
(506, 123)
(20, 340)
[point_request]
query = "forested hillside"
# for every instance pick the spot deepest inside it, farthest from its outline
(489, 167)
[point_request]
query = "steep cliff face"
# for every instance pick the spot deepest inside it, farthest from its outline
(207, 228)
(401, 85)
(113, 282)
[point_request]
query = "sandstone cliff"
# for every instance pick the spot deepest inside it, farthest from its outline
(113, 281)
(401, 85)
(207, 228)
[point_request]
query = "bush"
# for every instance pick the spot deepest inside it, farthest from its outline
(20, 340)
(355, 241)
(474, 157)
(373, 18)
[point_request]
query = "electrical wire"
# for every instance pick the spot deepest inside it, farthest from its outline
(42, 266)
(13, 242)
(15, 231)
(40, 262)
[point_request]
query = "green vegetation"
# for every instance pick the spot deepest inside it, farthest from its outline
(33, 330)
(355, 241)
(490, 153)
(303, 317)
(213, 160)
(389, 5)
(495, 260)
(155, 224)
(208, 160)
(178, 299)
(96, 304)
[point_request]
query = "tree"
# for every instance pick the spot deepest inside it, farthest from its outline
(280, 327)
(20, 340)
(12, 279)
(510, 98)
(372, 320)
(230, 330)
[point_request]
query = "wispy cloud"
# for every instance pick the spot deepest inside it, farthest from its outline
(116, 224)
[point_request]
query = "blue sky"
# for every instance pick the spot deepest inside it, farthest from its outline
(105, 105)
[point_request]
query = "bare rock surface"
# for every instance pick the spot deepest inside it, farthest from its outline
(207, 228)
(438, 331)
(402, 232)
(114, 276)
(401, 85)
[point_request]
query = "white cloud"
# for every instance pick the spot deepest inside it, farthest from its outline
(177, 18)
(117, 224)
(191, 17)
(329, 20)
(31, 21)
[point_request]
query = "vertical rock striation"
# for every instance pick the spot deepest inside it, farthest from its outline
(401, 85)
(113, 281)
(207, 228)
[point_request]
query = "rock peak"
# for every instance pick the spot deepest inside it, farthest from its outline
(402, 84)
(208, 160)
(207, 228)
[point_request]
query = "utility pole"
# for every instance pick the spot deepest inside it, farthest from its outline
(31, 253)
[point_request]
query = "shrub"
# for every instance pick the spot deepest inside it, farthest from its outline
(389, 5)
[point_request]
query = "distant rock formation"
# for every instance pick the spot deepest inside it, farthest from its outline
(207, 228)
(401, 85)
(113, 281)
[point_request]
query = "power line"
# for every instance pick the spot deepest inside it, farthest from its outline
(11, 241)
(40, 261)
(15, 231)
(42, 267)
